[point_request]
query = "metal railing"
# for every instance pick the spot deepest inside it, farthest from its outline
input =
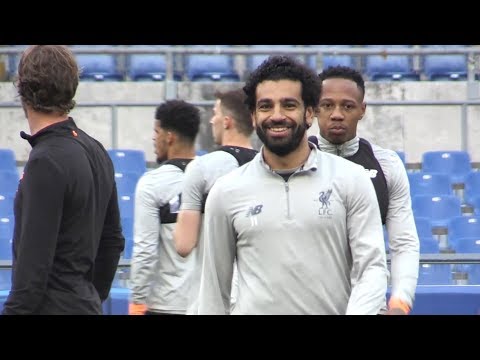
(210, 103)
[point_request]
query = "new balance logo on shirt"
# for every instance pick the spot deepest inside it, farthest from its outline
(252, 213)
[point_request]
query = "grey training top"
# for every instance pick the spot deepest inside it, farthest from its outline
(402, 232)
(312, 245)
(200, 175)
(159, 276)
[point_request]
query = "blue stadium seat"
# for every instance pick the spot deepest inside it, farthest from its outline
(391, 67)
(455, 164)
(467, 245)
(149, 67)
(428, 245)
(424, 227)
(98, 67)
(126, 204)
(472, 186)
(5, 279)
(332, 60)
(126, 182)
(434, 274)
(464, 226)
(119, 301)
(210, 67)
(429, 184)
(445, 67)
(439, 209)
(6, 236)
(8, 182)
(3, 298)
(128, 160)
(6, 205)
(127, 230)
(7, 160)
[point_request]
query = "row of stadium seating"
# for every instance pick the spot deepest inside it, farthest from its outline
(221, 67)
(434, 202)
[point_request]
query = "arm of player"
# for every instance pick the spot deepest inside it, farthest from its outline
(402, 233)
(189, 218)
(146, 237)
(218, 257)
(369, 275)
(43, 187)
(187, 231)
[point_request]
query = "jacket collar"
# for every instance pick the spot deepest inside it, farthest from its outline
(346, 149)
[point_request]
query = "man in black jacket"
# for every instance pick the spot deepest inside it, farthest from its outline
(68, 238)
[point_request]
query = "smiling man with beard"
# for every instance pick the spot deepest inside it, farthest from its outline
(303, 225)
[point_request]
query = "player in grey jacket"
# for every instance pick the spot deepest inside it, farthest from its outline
(304, 226)
(340, 108)
(159, 277)
(231, 128)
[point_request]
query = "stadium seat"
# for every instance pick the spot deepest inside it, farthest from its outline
(126, 182)
(149, 67)
(424, 227)
(331, 60)
(434, 274)
(126, 203)
(128, 160)
(98, 67)
(210, 67)
(428, 245)
(463, 227)
(391, 67)
(119, 301)
(6, 236)
(429, 184)
(445, 67)
(469, 245)
(7, 160)
(439, 209)
(472, 186)
(127, 230)
(8, 182)
(3, 297)
(6, 205)
(455, 164)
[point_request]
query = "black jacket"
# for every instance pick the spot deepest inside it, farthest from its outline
(68, 238)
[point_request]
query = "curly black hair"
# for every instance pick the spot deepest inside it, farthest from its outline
(180, 117)
(343, 72)
(284, 68)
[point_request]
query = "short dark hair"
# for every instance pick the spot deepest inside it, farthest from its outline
(180, 117)
(48, 77)
(284, 68)
(343, 72)
(233, 104)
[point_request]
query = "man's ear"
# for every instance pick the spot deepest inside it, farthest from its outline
(171, 137)
(309, 116)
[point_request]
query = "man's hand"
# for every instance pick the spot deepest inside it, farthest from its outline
(137, 309)
(397, 307)
(395, 311)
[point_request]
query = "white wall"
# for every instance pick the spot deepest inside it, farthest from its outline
(413, 129)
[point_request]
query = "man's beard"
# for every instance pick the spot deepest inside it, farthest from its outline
(285, 146)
